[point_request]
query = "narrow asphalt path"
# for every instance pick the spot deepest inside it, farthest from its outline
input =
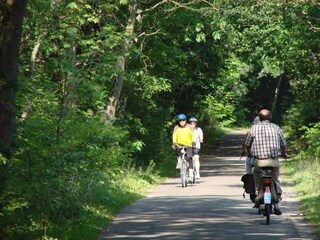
(211, 209)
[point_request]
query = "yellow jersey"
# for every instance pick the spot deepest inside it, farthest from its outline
(183, 136)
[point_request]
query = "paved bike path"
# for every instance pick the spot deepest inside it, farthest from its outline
(212, 209)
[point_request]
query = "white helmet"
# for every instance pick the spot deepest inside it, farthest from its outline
(256, 120)
(193, 119)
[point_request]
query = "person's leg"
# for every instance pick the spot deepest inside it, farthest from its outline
(249, 168)
(190, 160)
(249, 165)
(257, 176)
(196, 159)
(178, 154)
(275, 174)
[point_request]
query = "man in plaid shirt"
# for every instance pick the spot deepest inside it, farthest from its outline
(266, 141)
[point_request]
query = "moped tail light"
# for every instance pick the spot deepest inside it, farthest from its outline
(267, 181)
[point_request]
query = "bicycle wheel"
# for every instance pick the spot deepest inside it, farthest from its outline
(183, 173)
(194, 176)
(194, 172)
(186, 172)
(267, 213)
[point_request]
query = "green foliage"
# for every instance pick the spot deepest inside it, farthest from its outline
(305, 174)
(307, 141)
(109, 196)
(313, 141)
(300, 129)
(222, 67)
(220, 106)
(54, 171)
(3, 160)
(217, 112)
(106, 195)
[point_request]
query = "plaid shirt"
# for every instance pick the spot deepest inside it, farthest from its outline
(266, 140)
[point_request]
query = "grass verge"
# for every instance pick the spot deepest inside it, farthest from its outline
(113, 193)
(107, 199)
(213, 133)
(306, 178)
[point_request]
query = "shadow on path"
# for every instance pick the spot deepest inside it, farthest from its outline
(212, 209)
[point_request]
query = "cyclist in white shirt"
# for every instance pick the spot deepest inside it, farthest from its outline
(249, 160)
(198, 139)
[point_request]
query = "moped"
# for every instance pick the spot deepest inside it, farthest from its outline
(267, 194)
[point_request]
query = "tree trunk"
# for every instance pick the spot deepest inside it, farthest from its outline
(276, 95)
(27, 107)
(71, 97)
(114, 97)
(10, 38)
(35, 52)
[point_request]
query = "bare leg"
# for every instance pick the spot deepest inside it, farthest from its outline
(249, 168)
(196, 159)
(257, 176)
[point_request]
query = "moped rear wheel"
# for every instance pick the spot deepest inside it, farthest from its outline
(267, 213)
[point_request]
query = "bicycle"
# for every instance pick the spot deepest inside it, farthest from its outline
(194, 172)
(185, 166)
(267, 194)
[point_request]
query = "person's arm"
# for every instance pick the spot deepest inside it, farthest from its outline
(244, 148)
(174, 136)
(283, 145)
(249, 153)
(248, 143)
(192, 136)
(201, 136)
(284, 152)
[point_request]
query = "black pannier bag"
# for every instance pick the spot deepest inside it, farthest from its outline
(248, 185)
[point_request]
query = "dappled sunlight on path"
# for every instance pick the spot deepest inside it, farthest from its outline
(211, 209)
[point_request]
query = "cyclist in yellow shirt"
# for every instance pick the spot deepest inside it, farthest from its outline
(182, 137)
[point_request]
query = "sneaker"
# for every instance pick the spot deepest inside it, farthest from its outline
(191, 173)
(178, 165)
(253, 197)
(198, 176)
(277, 211)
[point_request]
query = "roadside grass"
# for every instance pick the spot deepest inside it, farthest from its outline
(213, 133)
(306, 178)
(114, 193)
(107, 199)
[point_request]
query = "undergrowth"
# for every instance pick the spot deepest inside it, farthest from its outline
(104, 194)
(306, 177)
(108, 198)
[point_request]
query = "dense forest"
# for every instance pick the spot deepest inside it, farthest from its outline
(90, 89)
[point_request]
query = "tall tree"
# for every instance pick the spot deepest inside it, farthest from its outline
(10, 36)
(118, 83)
(137, 11)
